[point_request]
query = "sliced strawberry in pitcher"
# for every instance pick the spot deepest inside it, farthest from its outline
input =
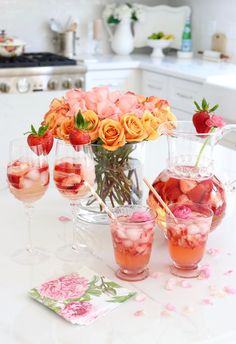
(197, 193)
(187, 185)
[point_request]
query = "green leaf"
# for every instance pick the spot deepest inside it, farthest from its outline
(113, 285)
(205, 105)
(95, 292)
(33, 131)
(122, 298)
(35, 294)
(214, 108)
(197, 106)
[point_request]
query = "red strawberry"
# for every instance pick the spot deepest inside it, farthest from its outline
(79, 136)
(43, 136)
(202, 115)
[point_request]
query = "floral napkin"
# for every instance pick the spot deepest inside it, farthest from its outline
(81, 297)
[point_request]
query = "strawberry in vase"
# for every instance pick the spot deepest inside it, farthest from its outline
(189, 175)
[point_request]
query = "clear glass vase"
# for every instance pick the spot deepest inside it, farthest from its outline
(118, 180)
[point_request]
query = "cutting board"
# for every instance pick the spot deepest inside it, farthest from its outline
(219, 42)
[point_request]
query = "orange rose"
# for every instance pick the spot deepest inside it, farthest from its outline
(92, 117)
(56, 114)
(63, 130)
(150, 123)
(133, 126)
(112, 134)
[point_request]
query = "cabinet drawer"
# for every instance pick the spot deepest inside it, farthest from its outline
(182, 93)
(154, 84)
(122, 80)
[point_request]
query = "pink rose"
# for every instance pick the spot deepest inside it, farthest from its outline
(127, 103)
(64, 287)
(215, 121)
(182, 212)
(75, 310)
(75, 98)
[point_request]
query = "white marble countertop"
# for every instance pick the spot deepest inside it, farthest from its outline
(22, 320)
(195, 69)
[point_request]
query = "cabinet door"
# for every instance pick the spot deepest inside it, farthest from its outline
(116, 80)
(154, 84)
(180, 114)
(182, 93)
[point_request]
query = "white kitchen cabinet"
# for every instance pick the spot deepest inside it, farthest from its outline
(123, 80)
(182, 93)
(154, 84)
(179, 92)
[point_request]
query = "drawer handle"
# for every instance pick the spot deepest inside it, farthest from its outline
(159, 88)
(184, 96)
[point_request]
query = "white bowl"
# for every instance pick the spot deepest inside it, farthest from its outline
(158, 45)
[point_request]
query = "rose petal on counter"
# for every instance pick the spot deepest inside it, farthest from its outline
(205, 272)
(213, 251)
(230, 290)
(139, 313)
(64, 219)
(155, 274)
(170, 307)
(140, 298)
(185, 284)
(206, 302)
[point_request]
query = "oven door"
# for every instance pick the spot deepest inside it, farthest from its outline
(17, 113)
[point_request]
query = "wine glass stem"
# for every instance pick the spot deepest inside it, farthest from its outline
(29, 212)
(78, 239)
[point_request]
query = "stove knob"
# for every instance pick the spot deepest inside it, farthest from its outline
(23, 85)
(52, 84)
(4, 88)
(67, 84)
(79, 83)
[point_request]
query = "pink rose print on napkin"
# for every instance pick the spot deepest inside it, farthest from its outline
(64, 287)
(75, 310)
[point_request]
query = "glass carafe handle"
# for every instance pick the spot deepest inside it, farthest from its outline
(224, 131)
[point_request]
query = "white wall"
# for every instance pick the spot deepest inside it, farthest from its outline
(29, 19)
(210, 16)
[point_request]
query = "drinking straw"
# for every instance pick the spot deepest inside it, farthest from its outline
(156, 194)
(100, 201)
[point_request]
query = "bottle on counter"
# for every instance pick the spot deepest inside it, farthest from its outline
(186, 45)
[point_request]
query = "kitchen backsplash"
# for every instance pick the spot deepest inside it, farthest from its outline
(29, 20)
(209, 17)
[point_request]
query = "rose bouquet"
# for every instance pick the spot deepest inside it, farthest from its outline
(116, 124)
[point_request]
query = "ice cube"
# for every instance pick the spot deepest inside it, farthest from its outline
(133, 234)
(33, 174)
(193, 229)
(44, 178)
(27, 183)
(121, 234)
(127, 243)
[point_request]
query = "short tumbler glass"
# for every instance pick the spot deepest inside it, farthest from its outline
(132, 235)
(187, 237)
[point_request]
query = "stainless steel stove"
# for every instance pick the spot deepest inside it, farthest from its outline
(35, 72)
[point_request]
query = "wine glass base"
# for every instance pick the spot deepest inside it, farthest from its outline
(184, 273)
(69, 254)
(132, 277)
(30, 256)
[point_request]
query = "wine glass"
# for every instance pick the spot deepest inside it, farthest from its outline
(73, 166)
(28, 179)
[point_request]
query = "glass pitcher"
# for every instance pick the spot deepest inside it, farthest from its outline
(190, 170)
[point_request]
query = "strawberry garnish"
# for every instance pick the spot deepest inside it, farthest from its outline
(202, 116)
(79, 135)
(41, 137)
